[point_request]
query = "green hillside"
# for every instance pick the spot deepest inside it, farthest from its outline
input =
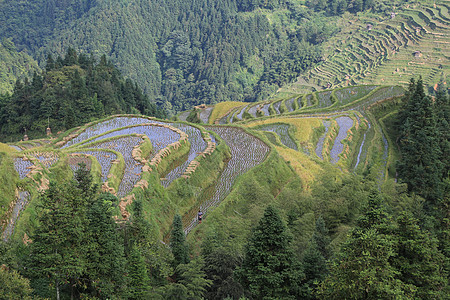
(319, 156)
(14, 65)
(385, 48)
(235, 149)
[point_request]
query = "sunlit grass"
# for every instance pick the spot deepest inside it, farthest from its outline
(6, 148)
(304, 126)
(304, 166)
(222, 108)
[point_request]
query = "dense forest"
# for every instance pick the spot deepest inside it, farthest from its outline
(181, 53)
(70, 92)
(14, 65)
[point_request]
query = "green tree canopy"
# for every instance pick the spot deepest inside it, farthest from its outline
(269, 269)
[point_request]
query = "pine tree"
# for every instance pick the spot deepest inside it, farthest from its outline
(178, 243)
(106, 257)
(191, 283)
(418, 260)
(420, 166)
(362, 269)
(59, 243)
(269, 268)
(442, 108)
(138, 286)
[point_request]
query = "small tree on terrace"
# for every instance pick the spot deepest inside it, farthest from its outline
(178, 243)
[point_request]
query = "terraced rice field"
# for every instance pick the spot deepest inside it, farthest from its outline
(198, 144)
(158, 135)
(324, 99)
(205, 113)
(358, 157)
(290, 104)
(75, 161)
(19, 205)
(16, 147)
(350, 94)
(386, 51)
(241, 112)
(48, 159)
(247, 152)
(319, 146)
(23, 166)
(133, 169)
(282, 130)
(344, 123)
(117, 140)
(105, 159)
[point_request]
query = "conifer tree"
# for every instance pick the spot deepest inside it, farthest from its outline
(419, 263)
(362, 269)
(269, 269)
(138, 287)
(420, 166)
(60, 242)
(178, 243)
(442, 108)
(106, 257)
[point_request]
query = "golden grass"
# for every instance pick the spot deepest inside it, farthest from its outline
(304, 126)
(305, 167)
(222, 108)
(6, 148)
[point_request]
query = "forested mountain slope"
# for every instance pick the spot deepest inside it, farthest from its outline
(186, 53)
(71, 91)
(179, 52)
(14, 65)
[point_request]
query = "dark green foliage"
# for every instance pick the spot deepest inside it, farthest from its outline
(321, 238)
(181, 53)
(315, 268)
(384, 258)
(418, 260)
(362, 269)
(141, 235)
(269, 269)
(77, 244)
(138, 286)
(442, 107)
(315, 259)
(339, 202)
(178, 243)
(420, 166)
(220, 264)
(106, 257)
(14, 65)
(338, 7)
(60, 242)
(219, 268)
(72, 91)
(191, 283)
